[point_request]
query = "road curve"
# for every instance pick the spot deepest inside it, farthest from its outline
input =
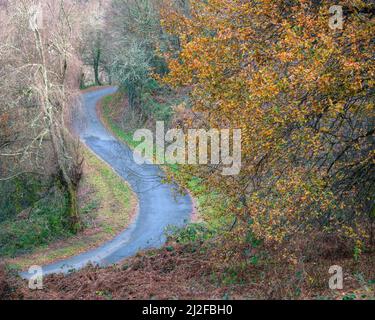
(159, 205)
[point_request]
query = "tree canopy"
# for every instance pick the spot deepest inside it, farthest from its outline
(302, 94)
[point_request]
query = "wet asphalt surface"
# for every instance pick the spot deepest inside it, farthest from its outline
(160, 205)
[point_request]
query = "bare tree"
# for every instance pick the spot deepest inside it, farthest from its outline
(93, 49)
(38, 59)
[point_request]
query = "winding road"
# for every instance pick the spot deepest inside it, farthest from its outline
(159, 205)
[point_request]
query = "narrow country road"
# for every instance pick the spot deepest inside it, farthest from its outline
(159, 205)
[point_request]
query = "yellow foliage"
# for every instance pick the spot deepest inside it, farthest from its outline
(303, 96)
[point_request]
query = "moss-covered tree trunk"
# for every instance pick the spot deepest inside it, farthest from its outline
(96, 63)
(73, 211)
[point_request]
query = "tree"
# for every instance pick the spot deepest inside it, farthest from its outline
(302, 95)
(93, 50)
(133, 31)
(38, 58)
(131, 69)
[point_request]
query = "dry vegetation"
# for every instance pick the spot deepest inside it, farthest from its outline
(194, 272)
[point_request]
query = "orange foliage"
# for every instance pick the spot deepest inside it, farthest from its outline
(303, 96)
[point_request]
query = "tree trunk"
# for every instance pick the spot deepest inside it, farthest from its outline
(109, 74)
(82, 81)
(96, 68)
(70, 183)
(73, 212)
(69, 174)
(131, 97)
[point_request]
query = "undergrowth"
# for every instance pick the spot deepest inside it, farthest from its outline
(33, 217)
